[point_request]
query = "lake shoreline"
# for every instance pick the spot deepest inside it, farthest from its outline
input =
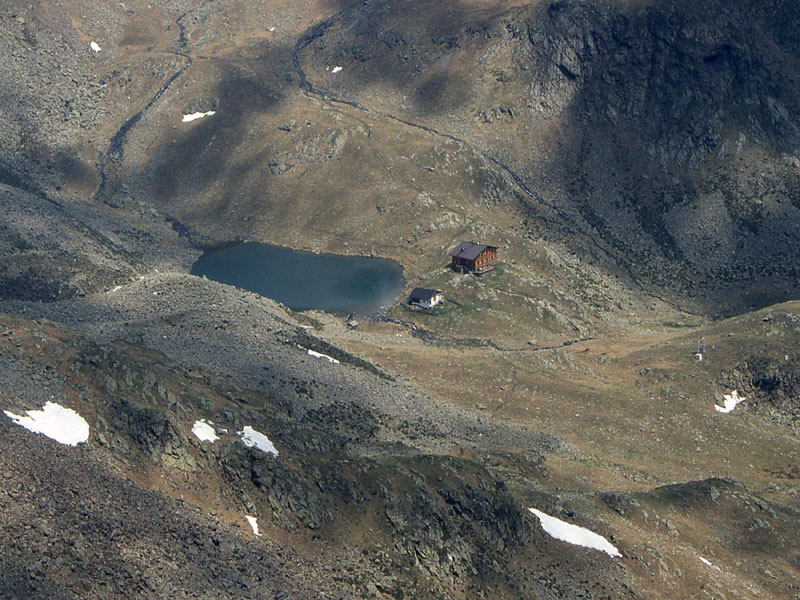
(304, 280)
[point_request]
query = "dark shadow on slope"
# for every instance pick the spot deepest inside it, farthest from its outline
(20, 164)
(200, 156)
(659, 93)
(419, 47)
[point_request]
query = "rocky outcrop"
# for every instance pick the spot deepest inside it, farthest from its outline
(695, 494)
(451, 518)
(137, 410)
(676, 75)
(150, 429)
(448, 520)
(770, 383)
(289, 494)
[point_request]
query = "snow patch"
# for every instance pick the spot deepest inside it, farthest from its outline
(708, 563)
(573, 534)
(252, 438)
(336, 69)
(204, 432)
(61, 424)
(253, 523)
(197, 115)
(731, 400)
(95, 46)
(320, 355)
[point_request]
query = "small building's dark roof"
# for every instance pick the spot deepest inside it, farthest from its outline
(423, 293)
(469, 250)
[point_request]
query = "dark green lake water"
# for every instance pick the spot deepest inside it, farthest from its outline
(304, 280)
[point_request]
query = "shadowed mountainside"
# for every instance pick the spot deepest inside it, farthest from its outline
(637, 164)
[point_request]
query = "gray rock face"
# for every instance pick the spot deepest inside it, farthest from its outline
(453, 526)
(293, 500)
(770, 383)
(695, 493)
(150, 429)
(693, 96)
(677, 74)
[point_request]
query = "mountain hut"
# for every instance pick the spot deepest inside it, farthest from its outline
(472, 257)
(425, 298)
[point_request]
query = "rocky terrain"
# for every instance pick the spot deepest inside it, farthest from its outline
(635, 162)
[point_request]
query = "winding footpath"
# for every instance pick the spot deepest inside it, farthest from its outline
(430, 337)
(318, 30)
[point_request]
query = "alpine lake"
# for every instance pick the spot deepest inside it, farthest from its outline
(305, 280)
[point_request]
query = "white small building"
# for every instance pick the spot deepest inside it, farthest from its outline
(425, 298)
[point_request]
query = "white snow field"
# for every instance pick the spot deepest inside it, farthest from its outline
(204, 432)
(573, 534)
(731, 400)
(253, 523)
(320, 355)
(61, 424)
(708, 563)
(255, 439)
(197, 115)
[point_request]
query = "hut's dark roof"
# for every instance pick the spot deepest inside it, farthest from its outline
(469, 250)
(423, 294)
